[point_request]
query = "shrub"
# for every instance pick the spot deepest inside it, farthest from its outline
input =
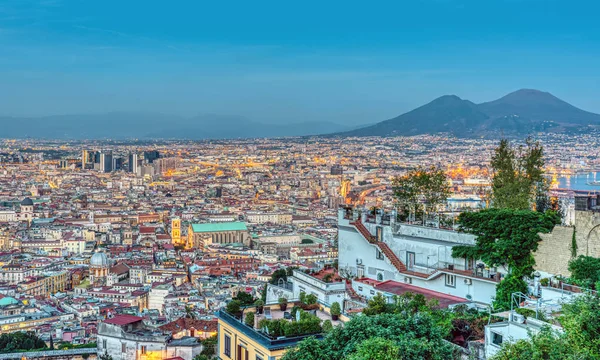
(336, 309)
(250, 319)
(283, 300)
(233, 307)
(311, 299)
(327, 326)
(545, 282)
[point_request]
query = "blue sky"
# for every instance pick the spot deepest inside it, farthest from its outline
(291, 61)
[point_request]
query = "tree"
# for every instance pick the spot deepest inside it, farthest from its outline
(189, 312)
(518, 179)
(21, 341)
(209, 346)
(580, 341)
(234, 307)
(249, 319)
(244, 298)
(376, 348)
(336, 309)
(585, 270)
(428, 186)
(416, 336)
(581, 322)
(376, 305)
(505, 237)
(545, 345)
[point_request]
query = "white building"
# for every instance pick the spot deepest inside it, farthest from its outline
(156, 300)
(421, 256)
(125, 337)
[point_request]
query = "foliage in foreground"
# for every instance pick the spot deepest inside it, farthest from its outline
(580, 340)
(407, 336)
(21, 341)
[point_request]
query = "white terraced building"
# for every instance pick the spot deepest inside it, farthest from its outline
(378, 248)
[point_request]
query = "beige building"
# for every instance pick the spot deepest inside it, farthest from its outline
(274, 218)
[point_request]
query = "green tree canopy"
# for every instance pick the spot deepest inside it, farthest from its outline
(416, 336)
(20, 341)
(518, 180)
(579, 341)
(422, 185)
(376, 349)
(505, 237)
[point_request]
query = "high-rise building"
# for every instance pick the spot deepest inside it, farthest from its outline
(133, 163)
(117, 163)
(106, 161)
(85, 157)
(150, 156)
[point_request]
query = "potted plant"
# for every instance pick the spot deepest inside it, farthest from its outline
(259, 306)
(249, 319)
(234, 307)
(283, 302)
(336, 311)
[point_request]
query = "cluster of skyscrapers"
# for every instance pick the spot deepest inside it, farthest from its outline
(104, 161)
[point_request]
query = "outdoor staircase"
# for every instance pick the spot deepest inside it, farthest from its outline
(383, 247)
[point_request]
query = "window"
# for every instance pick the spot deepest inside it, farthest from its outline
(123, 348)
(143, 348)
(372, 292)
(227, 347)
(380, 277)
(259, 357)
(360, 288)
(360, 272)
(450, 280)
(104, 344)
(496, 339)
(379, 254)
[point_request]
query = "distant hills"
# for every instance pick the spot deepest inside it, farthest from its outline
(518, 113)
(122, 125)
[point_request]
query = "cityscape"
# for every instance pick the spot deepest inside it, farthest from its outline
(315, 181)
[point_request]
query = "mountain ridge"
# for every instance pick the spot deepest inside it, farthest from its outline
(520, 112)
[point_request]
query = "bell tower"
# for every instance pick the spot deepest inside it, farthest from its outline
(176, 231)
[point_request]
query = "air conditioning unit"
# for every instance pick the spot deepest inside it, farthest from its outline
(408, 280)
(468, 281)
(358, 261)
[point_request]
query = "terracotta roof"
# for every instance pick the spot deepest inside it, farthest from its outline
(119, 269)
(123, 319)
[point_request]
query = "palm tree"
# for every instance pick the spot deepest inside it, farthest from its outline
(189, 312)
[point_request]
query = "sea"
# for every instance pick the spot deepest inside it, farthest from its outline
(580, 182)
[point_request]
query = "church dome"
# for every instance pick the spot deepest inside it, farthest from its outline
(99, 259)
(27, 202)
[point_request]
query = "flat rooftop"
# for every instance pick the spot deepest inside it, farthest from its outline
(398, 288)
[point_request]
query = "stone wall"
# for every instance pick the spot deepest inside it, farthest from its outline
(555, 249)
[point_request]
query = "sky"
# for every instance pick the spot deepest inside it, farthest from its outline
(291, 61)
